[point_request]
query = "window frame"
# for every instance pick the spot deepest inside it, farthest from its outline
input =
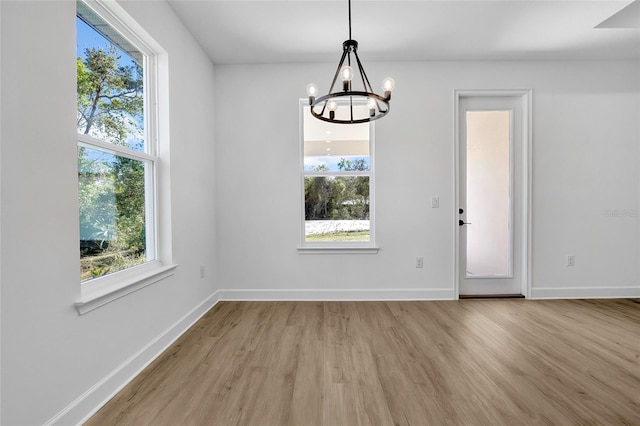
(102, 290)
(329, 247)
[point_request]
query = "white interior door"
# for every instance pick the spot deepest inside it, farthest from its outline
(490, 195)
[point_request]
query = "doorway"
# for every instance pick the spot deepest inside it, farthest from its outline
(492, 225)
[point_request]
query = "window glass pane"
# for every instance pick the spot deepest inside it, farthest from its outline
(488, 193)
(336, 208)
(112, 212)
(335, 147)
(110, 98)
(328, 155)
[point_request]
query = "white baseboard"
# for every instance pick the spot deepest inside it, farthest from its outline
(585, 292)
(99, 394)
(337, 294)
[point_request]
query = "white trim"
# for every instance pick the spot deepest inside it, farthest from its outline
(585, 292)
(119, 284)
(336, 174)
(121, 151)
(338, 250)
(527, 198)
(87, 404)
(125, 24)
(0, 223)
(526, 96)
(368, 294)
(456, 194)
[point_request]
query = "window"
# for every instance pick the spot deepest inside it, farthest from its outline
(337, 183)
(117, 148)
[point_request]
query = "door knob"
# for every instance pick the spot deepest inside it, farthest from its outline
(462, 222)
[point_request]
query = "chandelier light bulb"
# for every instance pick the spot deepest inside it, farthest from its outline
(388, 84)
(371, 104)
(312, 90)
(332, 106)
(346, 73)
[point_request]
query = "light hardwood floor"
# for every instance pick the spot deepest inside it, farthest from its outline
(470, 362)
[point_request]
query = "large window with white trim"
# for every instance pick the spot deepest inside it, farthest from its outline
(337, 163)
(117, 153)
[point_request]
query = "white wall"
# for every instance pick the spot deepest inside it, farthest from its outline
(50, 354)
(585, 162)
(586, 139)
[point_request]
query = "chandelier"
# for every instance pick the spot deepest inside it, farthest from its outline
(325, 107)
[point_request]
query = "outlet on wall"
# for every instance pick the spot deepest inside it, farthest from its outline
(571, 260)
(201, 271)
(419, 262)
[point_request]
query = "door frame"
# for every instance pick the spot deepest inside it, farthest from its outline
(526, 97)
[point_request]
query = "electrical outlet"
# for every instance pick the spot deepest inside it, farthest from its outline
(435, 202)
(571, 260)
(419, 262)
(201, 271)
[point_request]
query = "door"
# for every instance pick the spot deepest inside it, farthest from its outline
(490, 211)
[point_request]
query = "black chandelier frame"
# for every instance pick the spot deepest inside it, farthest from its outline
(378, 106)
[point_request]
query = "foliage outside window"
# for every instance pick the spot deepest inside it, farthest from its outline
(337, 168)
(116, 162)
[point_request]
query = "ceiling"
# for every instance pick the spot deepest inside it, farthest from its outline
(303, 31)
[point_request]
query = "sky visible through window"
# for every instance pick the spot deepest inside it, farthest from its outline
(330, 162)
(87, 38)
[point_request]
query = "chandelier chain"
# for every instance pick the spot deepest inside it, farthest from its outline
(349, 19)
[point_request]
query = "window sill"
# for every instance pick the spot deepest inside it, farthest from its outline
(118, 285)
(338, 250)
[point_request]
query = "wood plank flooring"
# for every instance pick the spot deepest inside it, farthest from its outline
(467, 362)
